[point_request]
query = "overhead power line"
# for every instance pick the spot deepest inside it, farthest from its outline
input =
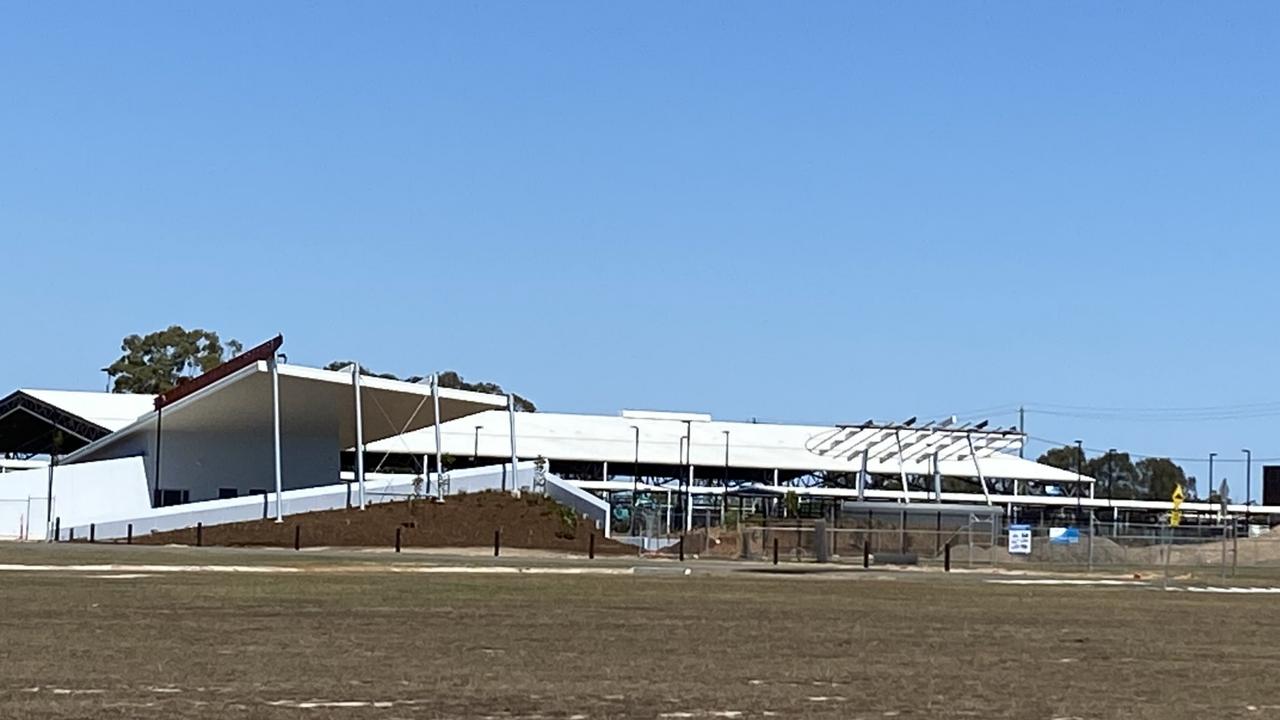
(1103, 451)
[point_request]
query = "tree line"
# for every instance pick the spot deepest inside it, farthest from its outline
(1119, 476)
(160, 361)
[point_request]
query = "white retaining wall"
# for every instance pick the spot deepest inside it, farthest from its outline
(592, 507)
(83, 493)
(379, 487)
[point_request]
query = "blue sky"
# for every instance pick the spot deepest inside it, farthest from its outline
(818, 212)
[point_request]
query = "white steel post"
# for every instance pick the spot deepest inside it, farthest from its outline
(978, 468)
(863, 474)
(902, 468)
(435, 405)
(511, 418)
(275, 421)
(937, 479)
(355, 382)
(668, 512)
(688, 504)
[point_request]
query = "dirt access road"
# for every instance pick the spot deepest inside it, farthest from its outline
(347, 636)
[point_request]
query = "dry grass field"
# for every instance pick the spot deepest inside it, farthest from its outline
(351, 635)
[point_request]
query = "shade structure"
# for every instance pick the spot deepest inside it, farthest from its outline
(40, 422)
(218, 440)
(681, 439)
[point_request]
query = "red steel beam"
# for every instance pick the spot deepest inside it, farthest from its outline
(265, 351)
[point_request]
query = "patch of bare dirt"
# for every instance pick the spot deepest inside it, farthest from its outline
(468, 520)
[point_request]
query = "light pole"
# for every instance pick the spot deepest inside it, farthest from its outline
(724, 491)
(688, 488)
(1209, 487)
(1248, 486)
(107, 370)
(1111, 473)
(635, 479)
(1079, 473)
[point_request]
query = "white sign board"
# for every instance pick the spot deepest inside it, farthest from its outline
(1019, 539)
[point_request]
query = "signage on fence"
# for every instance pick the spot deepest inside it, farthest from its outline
(1019, 539)
(1175, 517)
(1064, 536)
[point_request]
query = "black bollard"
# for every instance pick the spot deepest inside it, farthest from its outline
(264, 506)
(591, 547)
(128, 538)
(297, 537)
(199, 534)
(57, 529)
(681, 548)
(866, 554)
(946, 557)
(93, 532)
(497, 542)
(775, 551)
(71, 534)
(398, 539)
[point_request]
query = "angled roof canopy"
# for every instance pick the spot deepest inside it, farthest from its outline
(661, 439)
(311, 400)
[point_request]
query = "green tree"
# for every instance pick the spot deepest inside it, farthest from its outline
(1119, 477)
(159, 361)
(1158, 476)
(1115, 474)
(448, 379)
(1067, 457)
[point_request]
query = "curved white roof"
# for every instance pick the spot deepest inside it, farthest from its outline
(803, 448)
(110, 411)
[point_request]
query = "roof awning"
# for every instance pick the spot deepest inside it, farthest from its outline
(624, 440)
(311, 401)
(40, 422)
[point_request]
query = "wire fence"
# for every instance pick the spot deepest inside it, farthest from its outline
(986, 543)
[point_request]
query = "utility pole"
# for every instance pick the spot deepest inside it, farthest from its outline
(1022, 429)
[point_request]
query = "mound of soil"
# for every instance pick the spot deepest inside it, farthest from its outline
(467, 520)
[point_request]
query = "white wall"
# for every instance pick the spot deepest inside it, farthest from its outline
(201, 463)
(379, 488)
(592, 507)
(204, 462)
(83, 493)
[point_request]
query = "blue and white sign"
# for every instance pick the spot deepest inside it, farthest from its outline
(1019, 539)
(1064, 536)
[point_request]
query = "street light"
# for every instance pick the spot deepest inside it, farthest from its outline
(688, 458)
(1209, 488)
(1111, 473)
(1248, 485)
(1079, 473)
(635, 479)
(724, 494)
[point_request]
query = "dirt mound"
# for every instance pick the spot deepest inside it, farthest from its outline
(467, 520)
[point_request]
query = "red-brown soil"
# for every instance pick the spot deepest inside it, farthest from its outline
(467, 520)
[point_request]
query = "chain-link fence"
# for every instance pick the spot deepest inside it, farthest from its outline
(985, 542)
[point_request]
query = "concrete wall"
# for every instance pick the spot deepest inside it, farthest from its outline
(82, 494)
(378, 487)
(590, 506)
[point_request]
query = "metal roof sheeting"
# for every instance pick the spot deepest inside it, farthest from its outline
(607, 438)
(110, 411)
